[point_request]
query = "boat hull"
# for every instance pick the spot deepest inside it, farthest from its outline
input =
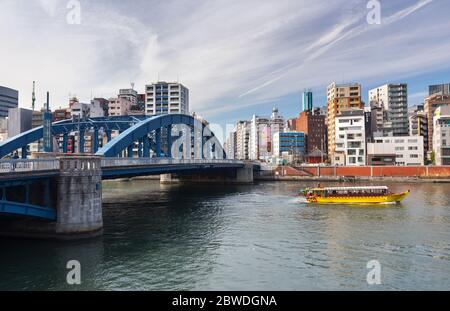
(382, 199)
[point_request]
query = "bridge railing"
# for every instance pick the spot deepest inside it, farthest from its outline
(116, 162)
(11, 166)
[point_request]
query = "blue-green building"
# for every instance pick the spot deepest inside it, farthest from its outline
(292, 143)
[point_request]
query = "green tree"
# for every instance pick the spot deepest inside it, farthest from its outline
(433, 158)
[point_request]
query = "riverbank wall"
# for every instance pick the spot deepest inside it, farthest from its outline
(346, 173)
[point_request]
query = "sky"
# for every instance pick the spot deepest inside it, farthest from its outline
(237, 57)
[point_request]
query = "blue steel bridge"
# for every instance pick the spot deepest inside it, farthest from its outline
(57, 187)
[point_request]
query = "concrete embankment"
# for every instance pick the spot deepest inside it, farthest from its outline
(431, 174)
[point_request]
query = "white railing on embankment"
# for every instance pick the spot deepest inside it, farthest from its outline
(117, 162)
(12, 166)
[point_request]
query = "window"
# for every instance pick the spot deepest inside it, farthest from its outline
(399, 148)
(413, 148)
(414, 156)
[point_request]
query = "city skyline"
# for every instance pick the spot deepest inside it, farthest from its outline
(225, 65)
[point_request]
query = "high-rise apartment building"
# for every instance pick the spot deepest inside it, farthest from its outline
(339, 98)
(166, 98)
(418, 125)
(242, 140)
(350, 138)
(9, 98)
(230, 145)
(431, 104)
(439, 89)
(441, 135)
(393, 100)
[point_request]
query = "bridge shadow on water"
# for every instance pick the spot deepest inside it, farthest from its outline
(151, 233)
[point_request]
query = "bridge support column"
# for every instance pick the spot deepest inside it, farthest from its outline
(130, 151)
(65, 139)
(79, 197)
(242, 175)
(169, 141)
(140, 148)
(95, 140)
(81, 141)
(24, 152)
(146, 147)
(158, 142)
(108, 135)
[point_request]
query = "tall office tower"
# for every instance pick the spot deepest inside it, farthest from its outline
(9, 98)
(431, 104)
(307, 101)
(439, 88)
(339, 98)
(393, 99)
(242, 140)
(166, 98)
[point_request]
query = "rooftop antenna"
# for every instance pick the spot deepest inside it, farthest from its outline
(33, 96)
(132, 85)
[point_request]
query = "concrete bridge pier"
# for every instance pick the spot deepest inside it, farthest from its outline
(243, 175)
(79, 197)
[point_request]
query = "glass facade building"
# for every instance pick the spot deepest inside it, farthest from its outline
(9, 98)
(439, 88)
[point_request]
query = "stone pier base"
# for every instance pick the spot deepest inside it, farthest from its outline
(242, 175)
(79, 196)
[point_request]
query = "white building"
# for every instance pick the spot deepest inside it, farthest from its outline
(350, 138)
(79, 110)
(166, 98)
(261, 135)
(119, 107)
(230, 145)
(407, 150)
(441, 135)
(242, 140)
(393, 101)
(96, 110)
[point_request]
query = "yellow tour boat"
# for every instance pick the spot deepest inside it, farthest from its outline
(353, 195)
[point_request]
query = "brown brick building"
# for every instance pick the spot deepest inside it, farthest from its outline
(313, 124)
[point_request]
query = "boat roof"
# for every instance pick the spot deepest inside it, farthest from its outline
(350, 188)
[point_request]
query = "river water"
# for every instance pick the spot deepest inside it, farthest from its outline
(246, 237)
